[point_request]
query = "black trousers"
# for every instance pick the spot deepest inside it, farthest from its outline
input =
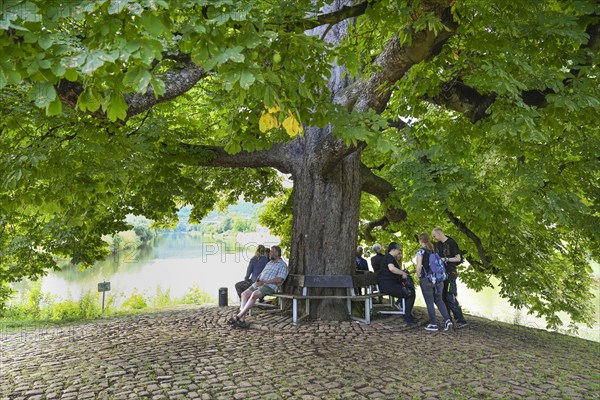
(393, 289)
(450, 298)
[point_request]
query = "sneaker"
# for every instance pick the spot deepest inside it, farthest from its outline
(447, 325)
(431, 328)
(460, 325)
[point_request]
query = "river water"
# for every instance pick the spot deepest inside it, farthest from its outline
(179, 261)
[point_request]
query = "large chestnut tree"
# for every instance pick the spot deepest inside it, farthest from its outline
(390, 118)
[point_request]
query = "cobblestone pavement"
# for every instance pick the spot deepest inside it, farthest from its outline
(194, 354)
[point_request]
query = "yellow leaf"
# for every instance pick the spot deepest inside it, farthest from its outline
(267, 121)
(273, 109)
(263, 123)
(292, 126)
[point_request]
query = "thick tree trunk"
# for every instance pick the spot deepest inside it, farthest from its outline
(326, 195)
(326, 199)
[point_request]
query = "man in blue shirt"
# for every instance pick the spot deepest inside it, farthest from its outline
(269, 281)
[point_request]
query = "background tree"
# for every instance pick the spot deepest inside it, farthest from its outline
(477, 116)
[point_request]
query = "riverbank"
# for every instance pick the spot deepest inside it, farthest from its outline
(191, 352)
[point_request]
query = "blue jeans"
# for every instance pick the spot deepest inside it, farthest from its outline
(450, 299)
(433, 294)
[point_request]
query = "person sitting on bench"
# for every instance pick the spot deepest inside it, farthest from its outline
(255, 267)
(268, 282)
(389, 280)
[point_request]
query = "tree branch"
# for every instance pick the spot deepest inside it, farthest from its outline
(457, 96)
(395, 61)
(336, 151)
(177, 82)
(368, 228)
(374, 184)
(215, 156)
(381, 189)
(485, 260)
(332, 18)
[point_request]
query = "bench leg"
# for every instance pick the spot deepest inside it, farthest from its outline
(403, 306)
(307, 307)
(295, 311)
(395, 312)
(349, 306)
(370, 292)
(349, 292)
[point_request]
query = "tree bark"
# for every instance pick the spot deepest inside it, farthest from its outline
(326, 211)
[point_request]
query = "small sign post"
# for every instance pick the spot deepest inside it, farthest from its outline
(103, 287)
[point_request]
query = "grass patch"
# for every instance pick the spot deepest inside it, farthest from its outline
(35, 308)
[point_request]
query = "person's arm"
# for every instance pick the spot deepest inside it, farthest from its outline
(280, 275)
(248, 271)
(395, 270)
(419, 264)
(456, 258)
(274, 281)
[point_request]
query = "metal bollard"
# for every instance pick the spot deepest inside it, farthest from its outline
(223, 297)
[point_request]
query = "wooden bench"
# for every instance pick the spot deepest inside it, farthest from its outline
(309, 282)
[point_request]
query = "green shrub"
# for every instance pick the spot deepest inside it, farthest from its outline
(196, 296)
(34, 301)
(135, 302)
(89, 305)
(65, 310)
(162, 299)
(16, 310)
(110, 301)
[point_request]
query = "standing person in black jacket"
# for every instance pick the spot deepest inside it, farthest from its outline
(448, 250)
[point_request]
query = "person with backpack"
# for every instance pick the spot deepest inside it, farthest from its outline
(432, 273)
(448, 249)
